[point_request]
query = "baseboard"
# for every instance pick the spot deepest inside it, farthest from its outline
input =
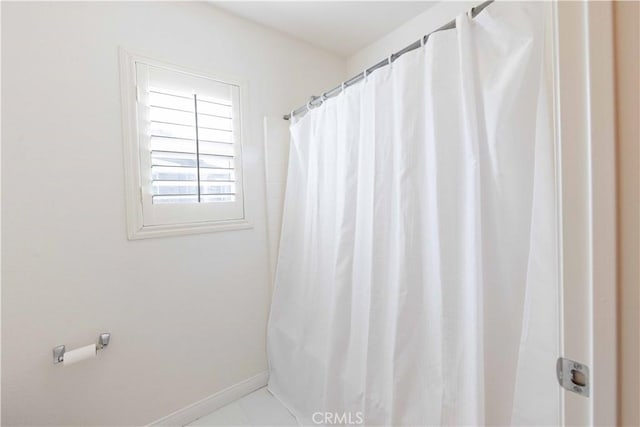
(214, 402)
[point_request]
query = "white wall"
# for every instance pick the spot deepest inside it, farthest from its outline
(187, 314)
(276, 147)
(429, 20)
(627, 46)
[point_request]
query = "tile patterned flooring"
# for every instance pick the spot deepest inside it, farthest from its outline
(259, 408)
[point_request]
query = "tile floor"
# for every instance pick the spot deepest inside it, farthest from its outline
(259, 408)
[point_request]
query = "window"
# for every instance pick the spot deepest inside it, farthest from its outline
(183, 149)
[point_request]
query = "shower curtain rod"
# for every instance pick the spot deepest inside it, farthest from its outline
(316, 101)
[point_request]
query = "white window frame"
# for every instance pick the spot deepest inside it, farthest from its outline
(137, 226)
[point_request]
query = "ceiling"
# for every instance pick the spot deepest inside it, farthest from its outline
(341, 27)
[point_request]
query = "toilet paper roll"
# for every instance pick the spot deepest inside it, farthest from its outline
(79, 354)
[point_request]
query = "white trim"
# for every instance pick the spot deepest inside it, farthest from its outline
(136, 228)
(214, 402)
(130, 153)
(558, 162)
(602, 191)
(151, 231)
(584, 80)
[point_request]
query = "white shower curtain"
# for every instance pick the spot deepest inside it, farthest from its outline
(417, 278)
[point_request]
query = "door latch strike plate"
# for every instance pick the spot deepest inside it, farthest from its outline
(573, 376)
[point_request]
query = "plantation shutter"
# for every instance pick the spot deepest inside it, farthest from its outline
(189, 145)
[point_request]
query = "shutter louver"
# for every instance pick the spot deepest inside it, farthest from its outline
(192, 148)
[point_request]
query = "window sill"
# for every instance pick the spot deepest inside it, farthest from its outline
(149, 232)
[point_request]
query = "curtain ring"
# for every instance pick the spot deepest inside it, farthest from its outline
(343, 88)
(422, 41)
(390, 59)
(364, 75)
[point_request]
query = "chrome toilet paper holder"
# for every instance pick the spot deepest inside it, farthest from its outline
(58, 352)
